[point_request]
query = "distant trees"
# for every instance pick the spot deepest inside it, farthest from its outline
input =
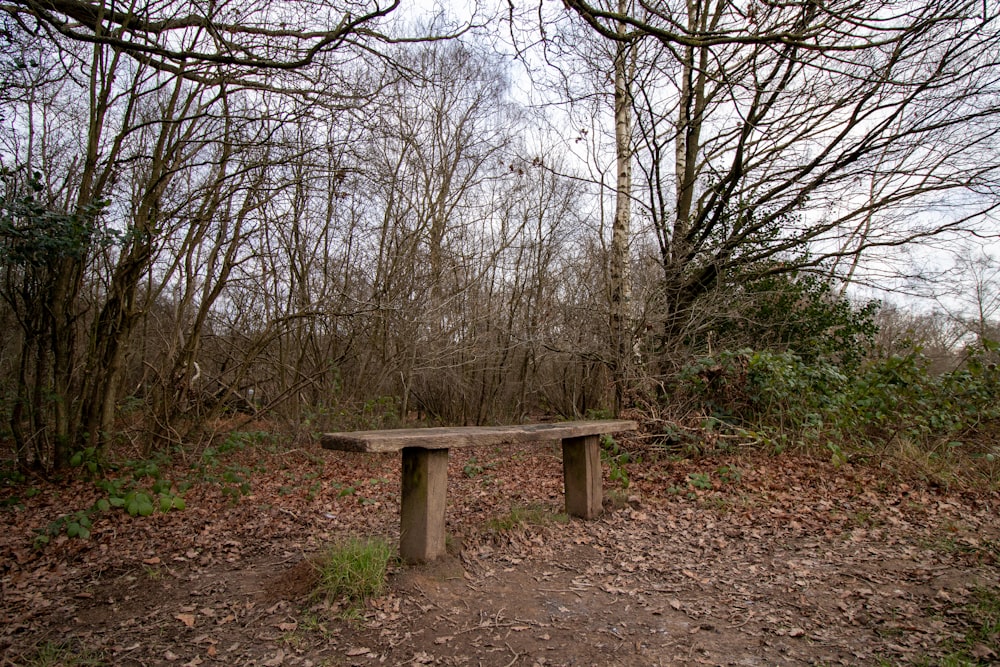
(974, 301)
(135, 131)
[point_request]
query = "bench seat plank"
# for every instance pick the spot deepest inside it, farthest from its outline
(447, 437)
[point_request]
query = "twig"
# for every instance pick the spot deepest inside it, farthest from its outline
(487, 625)
(740, 625)
(516, 655)
(427, 597)
(560, 590)
(289, 559)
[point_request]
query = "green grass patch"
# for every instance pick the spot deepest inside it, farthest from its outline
(57, 654)
(981, 643)
(525, 515)
(354, 570)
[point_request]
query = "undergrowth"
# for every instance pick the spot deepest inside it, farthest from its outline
(944, 427)
(141, 487)
(60, 654)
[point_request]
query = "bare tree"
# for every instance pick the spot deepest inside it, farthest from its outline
(78, 177)
(163, 155)
(972, 299)
(197, 40)
(435, 148)
(758, 126)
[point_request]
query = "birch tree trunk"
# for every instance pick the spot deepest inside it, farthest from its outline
(621, 230)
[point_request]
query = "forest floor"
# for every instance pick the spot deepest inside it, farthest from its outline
(740, 559)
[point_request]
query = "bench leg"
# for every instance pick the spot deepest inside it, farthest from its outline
(421, 512)
(582, 474)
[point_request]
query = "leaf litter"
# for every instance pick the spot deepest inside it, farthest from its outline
(790, 562)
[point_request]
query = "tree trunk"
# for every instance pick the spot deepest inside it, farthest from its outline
(621, 279)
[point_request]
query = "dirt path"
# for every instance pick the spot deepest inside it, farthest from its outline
(750, 561)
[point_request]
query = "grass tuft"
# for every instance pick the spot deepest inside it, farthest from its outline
(52, 654)
(354, 569)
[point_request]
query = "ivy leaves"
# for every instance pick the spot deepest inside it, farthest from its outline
(33, 234)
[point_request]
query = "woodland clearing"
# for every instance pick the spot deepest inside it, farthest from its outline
(727, 559)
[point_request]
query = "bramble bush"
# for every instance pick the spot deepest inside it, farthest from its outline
(801, 314)
(779, 398)
(814, 379)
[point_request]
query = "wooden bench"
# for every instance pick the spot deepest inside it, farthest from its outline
(425, 469)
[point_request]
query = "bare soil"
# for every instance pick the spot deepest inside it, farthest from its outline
(729, 560)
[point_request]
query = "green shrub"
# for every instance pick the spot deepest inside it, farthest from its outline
(799, 313)
(778, 389)
(780, 398)
(617, 460)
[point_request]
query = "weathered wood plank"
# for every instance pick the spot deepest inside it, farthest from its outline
(448, 437)
(422, 504)
(582, 476)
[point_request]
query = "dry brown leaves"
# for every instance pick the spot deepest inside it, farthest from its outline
(765, 560)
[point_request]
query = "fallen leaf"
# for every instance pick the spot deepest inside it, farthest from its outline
(358, 650)
(276, 660)
(982, 651)
(186, 619)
